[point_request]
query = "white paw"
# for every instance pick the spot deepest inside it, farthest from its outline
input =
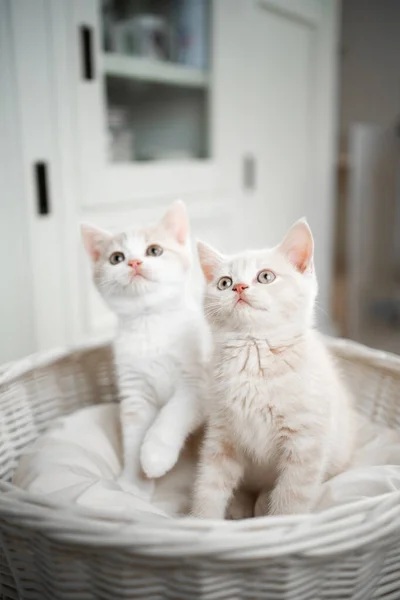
(262, 505)
(157, 456)
(240, 507)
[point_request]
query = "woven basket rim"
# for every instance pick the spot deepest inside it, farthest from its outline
(344, 347)
(336, 530)
(11, 370)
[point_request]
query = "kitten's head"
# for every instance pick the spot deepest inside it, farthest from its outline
(269, 293)
(141, 267)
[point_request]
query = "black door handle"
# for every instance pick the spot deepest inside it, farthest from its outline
(42, 190)
(87, 59)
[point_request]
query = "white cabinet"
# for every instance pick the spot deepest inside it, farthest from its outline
(162, 115)
(126, 116)
(144, 125)
(33, 114)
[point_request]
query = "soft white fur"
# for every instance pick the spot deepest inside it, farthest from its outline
(160, 346)
(280, 419)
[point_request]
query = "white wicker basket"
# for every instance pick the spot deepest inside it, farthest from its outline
(50, 551)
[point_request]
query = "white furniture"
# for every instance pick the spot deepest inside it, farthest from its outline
(246, 139)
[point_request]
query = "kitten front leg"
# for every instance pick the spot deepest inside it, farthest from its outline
(262, 504)
(176, 420)
(136, 414)
(219, 474)
(301, 469)
(241, 506)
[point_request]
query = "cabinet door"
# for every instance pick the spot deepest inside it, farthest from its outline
(178, 112)
(16, 316)
(290, 117)
(144, 99)
(39, 185)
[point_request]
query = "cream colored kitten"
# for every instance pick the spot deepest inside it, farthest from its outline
(280, 418)
(161, 342)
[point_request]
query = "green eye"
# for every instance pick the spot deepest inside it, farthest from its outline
(117, 257)
(266, 276)
(154, 250)
(224, 283)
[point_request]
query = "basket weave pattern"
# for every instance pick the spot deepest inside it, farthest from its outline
(51, 551)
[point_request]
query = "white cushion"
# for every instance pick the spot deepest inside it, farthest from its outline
(79, 460)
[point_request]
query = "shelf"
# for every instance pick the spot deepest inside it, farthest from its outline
(130, 67)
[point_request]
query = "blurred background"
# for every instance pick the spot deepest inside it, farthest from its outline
(255, 112)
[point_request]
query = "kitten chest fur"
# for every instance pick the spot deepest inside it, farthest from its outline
(264, 395)
(158, 349)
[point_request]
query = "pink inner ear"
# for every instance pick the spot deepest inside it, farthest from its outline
(95, 255)
(208, 272)
(176, 221)
(209, 259)
(92, 239)
(298, 247)
(301, 258)
(91, 243)
(182, 231)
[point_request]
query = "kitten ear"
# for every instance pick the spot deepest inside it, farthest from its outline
(93, 239)
(177, 222)
(209, 259)
(298, 246)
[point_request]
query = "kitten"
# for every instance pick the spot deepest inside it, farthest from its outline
(280, 420)
(160, 346)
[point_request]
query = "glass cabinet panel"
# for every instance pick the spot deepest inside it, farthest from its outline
(157, 63)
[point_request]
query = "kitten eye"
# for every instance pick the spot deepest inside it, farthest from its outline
(117, 257)
(224, 283)
(154, 250)
(266, 276)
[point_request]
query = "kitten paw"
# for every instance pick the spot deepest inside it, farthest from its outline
(157, 456)
(241, 506)
(262, 505)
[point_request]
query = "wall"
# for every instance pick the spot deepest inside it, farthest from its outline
(370, 82)
(16, 317)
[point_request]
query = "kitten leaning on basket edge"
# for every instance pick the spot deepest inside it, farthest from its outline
(161, 345)
(279, 418)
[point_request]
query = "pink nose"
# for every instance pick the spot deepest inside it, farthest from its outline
(134, 263)
(239, 287)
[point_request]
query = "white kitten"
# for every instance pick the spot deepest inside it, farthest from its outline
(160, 347)
(280, 419)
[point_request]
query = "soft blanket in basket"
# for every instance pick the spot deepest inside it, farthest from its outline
(79, 460)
